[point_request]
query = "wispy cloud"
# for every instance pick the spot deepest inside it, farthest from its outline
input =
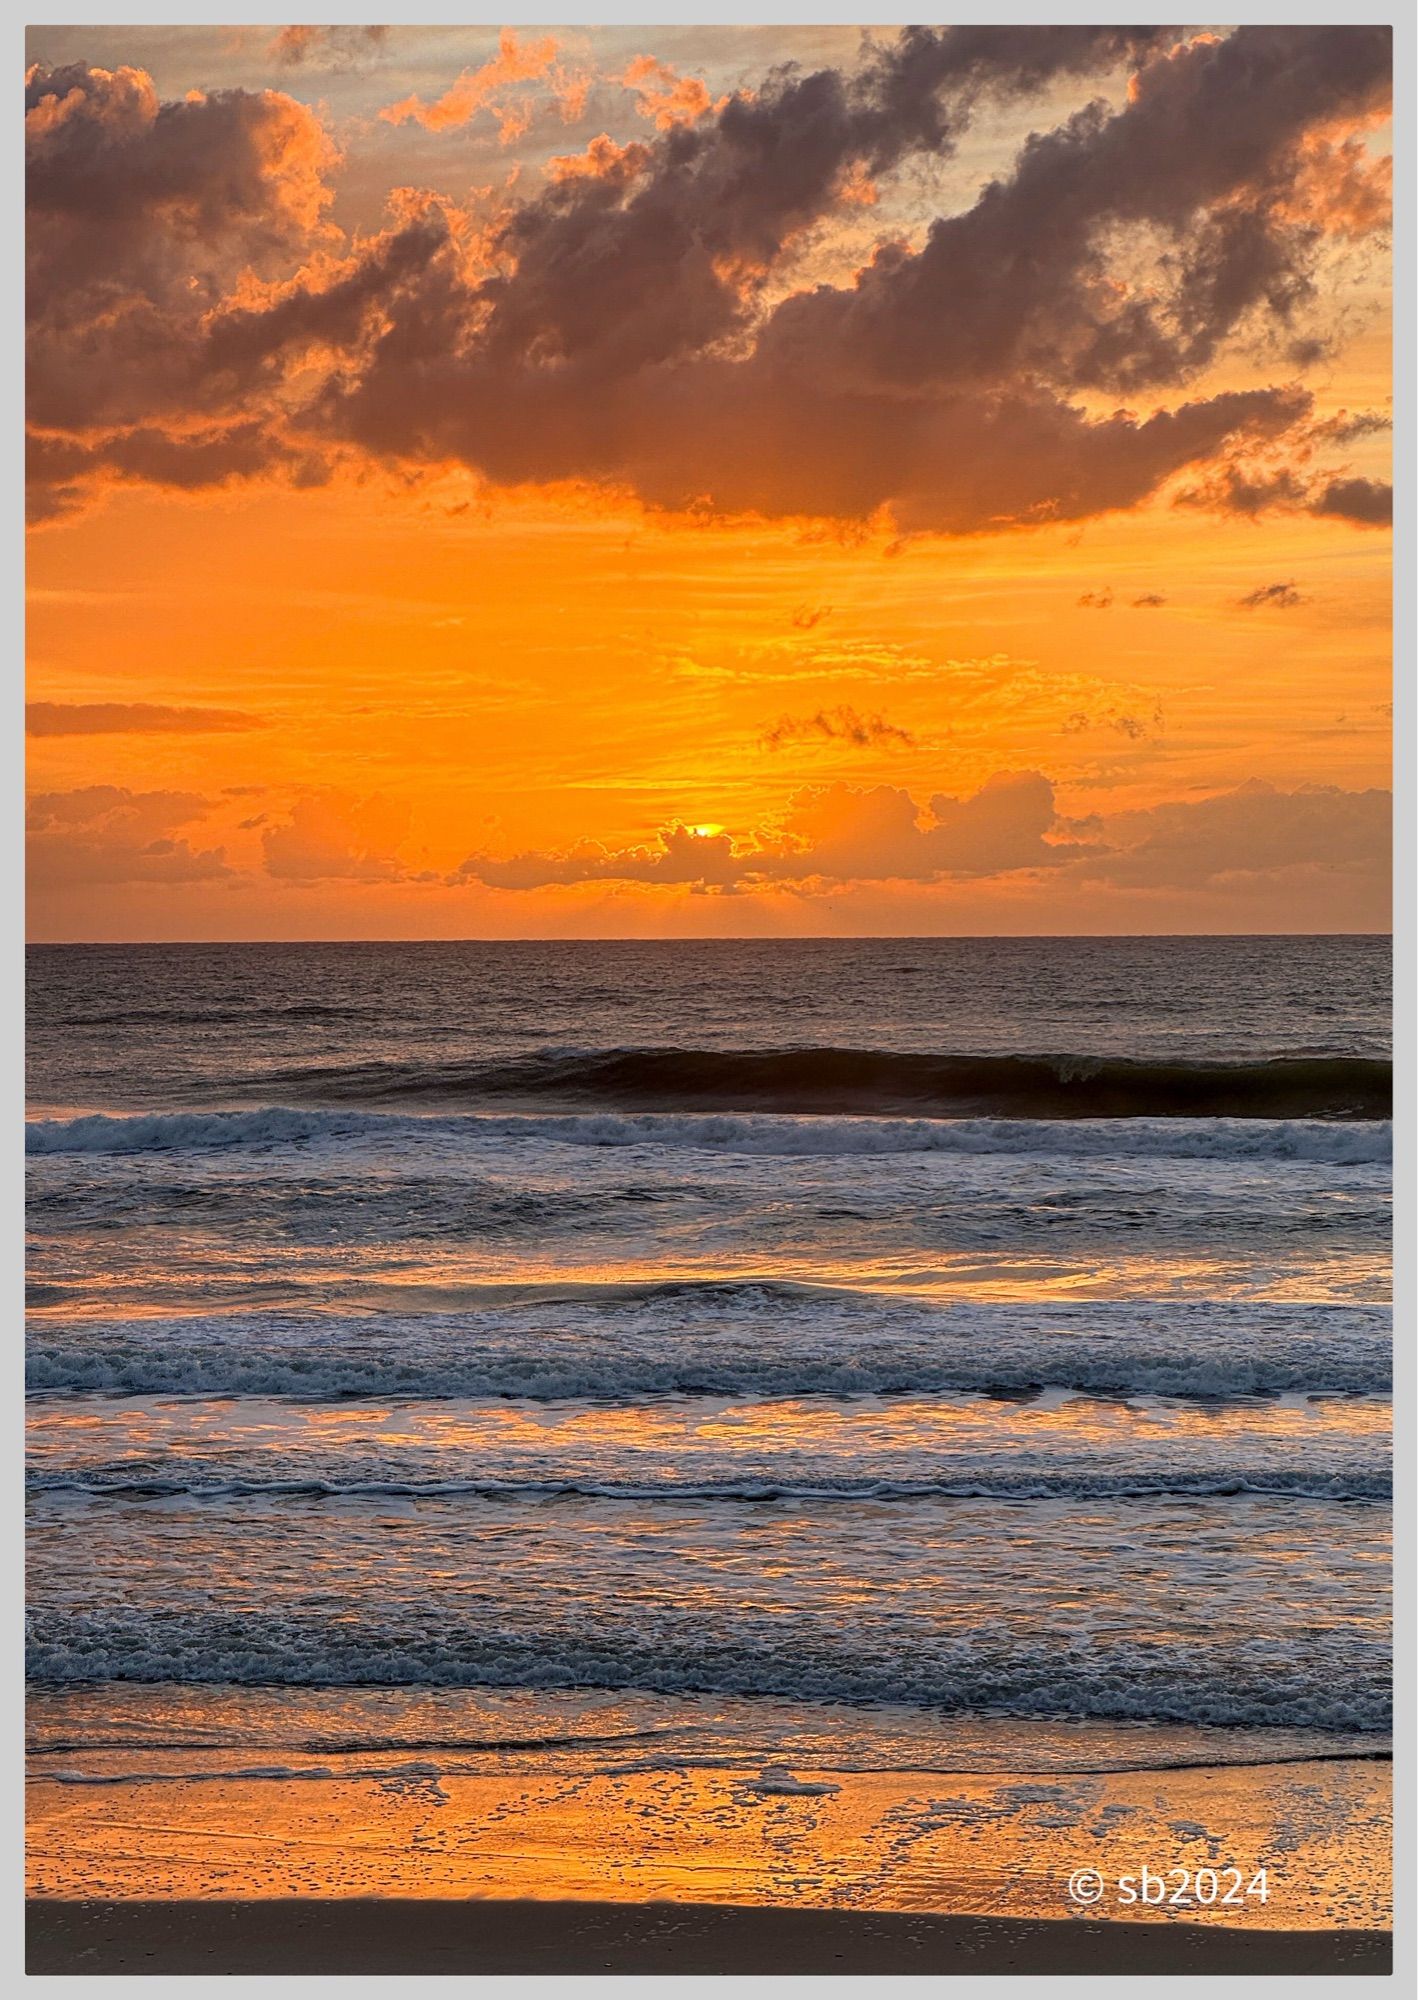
(836, 725)
(132, 718)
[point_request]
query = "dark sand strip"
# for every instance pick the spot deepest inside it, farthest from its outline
(351, 1937)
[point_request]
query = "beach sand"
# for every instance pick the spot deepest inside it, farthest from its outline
(413, 1937)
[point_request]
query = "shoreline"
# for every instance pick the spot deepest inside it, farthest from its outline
(369, 1936)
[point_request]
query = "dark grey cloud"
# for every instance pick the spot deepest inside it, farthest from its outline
(1273, 597)
(142, 216)
(58, 467)
(1350, 426)
(633, 327)
(1367, 501)
(1205, 155)
(1253, 490)
(327, 47)
(613, 276)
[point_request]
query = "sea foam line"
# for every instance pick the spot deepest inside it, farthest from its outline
(1354, 1143)
(1350, 1486)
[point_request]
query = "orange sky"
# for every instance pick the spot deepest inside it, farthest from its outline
(731, 593)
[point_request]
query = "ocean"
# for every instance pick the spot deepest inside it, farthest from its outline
(907, 1356)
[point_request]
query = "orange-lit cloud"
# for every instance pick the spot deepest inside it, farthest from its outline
(837, 833)
(328, 838)
(842, 833)
(603, 160)
(108, 834)
(663, 96)
(475, 89)
(1253, 830)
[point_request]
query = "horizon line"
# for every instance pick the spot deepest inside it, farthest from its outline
(744, 937)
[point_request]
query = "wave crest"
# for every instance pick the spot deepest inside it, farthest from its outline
(1367, 1142)
(847, 1081)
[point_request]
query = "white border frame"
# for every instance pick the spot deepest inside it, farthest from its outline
(195, 13)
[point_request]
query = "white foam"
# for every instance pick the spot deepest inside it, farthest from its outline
(777, 1781)
(1161, 1138)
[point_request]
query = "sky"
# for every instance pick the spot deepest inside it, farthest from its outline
(707, 481)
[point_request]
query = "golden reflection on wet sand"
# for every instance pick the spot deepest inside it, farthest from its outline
(995, 1844)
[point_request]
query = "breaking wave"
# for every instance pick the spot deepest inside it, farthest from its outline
(1220, 1138)
(826, 1081)
(1025, 1676)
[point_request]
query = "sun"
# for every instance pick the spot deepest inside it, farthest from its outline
(707, 830)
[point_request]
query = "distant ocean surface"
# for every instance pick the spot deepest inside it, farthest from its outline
(934, 1332)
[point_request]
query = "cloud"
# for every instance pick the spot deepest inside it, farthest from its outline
(674, 264)
(1367, 501)
(1150, 600)
(842, 833)
(1238, 487)
(1349, 427)
(841, 724)
(144, 218)
(641, 324)
(663, 96)
(1203, 156)
(475, 89)
(807, 616)
(329, 837)
(1255, 829)
(332, 47)
(602, 160)
(106, 833)
(881, 834)
(58, 468)
(1274, 596)
(1097, 600)
(131, 718)
(835, 833)
(1137, 728)
(903, 390)
(149, 212)
(683, 855)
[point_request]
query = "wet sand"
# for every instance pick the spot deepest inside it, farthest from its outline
(134, 1827)
(412, 1937)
